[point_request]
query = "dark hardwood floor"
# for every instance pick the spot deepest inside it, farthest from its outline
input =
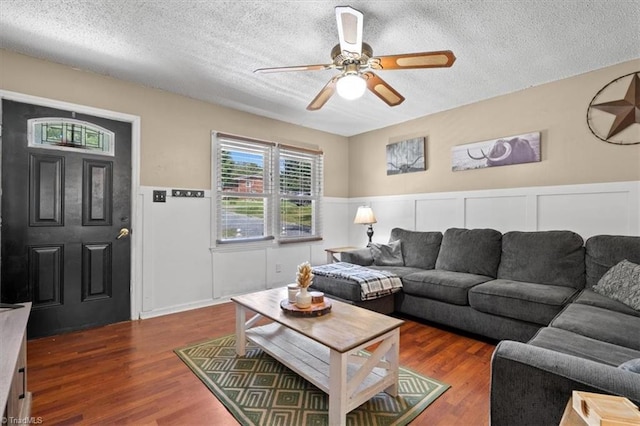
(127, 373)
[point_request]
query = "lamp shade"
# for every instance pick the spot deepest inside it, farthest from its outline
(364, 216)
(351, 86)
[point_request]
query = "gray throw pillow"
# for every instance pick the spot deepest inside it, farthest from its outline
(632, 365)
(621, 283)
(387, 254)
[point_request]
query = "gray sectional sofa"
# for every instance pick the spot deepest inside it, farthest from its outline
(533, 292)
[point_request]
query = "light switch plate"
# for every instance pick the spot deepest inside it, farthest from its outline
(159, 196)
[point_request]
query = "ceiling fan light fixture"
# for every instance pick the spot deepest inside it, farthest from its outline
(354, 58)
(351, 86)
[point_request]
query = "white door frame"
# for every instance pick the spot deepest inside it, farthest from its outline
(136, 207)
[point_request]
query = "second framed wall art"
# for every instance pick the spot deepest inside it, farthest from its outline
(505, 151)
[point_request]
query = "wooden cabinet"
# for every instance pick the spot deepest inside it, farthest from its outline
(14, 397)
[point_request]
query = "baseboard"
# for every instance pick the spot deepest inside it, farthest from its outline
(184, 307)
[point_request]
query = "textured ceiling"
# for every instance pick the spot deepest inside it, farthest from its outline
(208, 49)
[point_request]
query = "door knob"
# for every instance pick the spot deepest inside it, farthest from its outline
(123, 233)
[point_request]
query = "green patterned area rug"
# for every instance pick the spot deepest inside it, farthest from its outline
(258, 390)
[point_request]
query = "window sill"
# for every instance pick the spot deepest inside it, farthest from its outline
(238, 246)
(299, 240)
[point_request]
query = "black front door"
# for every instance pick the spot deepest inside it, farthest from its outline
(66, 209)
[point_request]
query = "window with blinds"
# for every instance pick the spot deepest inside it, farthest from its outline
(265, 191)
(299, 193)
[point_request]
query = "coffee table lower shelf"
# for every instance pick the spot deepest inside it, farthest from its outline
(366, 375)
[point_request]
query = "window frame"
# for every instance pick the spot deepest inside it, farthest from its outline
(272, 196)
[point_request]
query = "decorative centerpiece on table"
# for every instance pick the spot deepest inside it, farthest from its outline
(300, 301)
(304, 278)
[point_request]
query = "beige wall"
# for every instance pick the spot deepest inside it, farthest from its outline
(570, 153)
(175, 130)
(176, 147)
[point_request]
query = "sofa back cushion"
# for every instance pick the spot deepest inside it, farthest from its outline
(387, 254)
(474, 251)
(543, 257)
(605, 251)
(419, 249)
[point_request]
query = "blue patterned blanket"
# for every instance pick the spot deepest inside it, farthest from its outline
(374, 283)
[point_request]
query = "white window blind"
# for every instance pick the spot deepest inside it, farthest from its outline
(244, 190)
(265, 191)
(300, 194)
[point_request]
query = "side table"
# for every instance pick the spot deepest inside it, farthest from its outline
(331, 252)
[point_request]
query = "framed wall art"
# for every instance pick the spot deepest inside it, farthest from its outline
(505, 151)
(407, 156)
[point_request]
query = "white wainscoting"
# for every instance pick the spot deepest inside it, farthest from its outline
(590, 209)
(181, 271)
(176, 270)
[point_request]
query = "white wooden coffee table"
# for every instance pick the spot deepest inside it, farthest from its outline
(325, 350)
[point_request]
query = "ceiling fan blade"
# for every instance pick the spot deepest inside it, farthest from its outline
(323, 96)
(318, 67)
(439, 59)
(381, 89)
(350, 30)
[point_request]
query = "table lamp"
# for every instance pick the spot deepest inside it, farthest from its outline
(365, 216)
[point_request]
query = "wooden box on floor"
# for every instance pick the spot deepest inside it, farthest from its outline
(593, 409)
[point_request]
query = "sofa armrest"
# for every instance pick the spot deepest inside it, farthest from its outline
(362, 257)
(532, 385)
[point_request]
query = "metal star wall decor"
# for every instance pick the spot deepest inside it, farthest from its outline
(625, 110)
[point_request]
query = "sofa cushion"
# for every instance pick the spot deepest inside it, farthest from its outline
(445, 286)
(362, 257)
(621, 283)
(473, 251)
(600, 324)
(574, 344)
(339, 287)
(589, 297)
(355, 283)
(387, 254)
(419, 249)
(604, 251)
(545, 257)
(531, 302)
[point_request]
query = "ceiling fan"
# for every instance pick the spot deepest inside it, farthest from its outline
(354, 58)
